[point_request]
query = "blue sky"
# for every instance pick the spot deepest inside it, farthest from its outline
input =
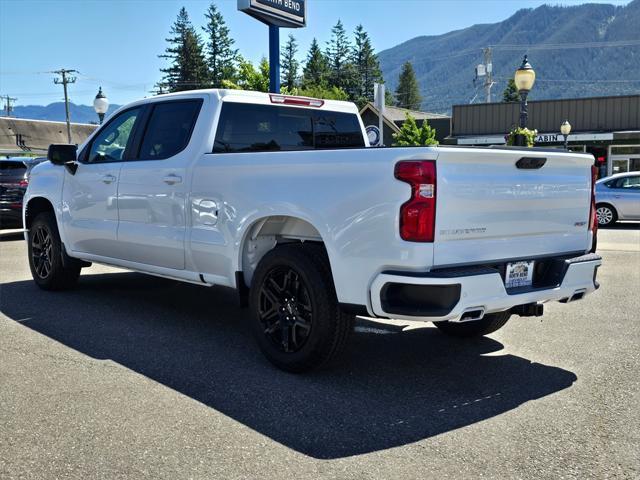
(115, 43)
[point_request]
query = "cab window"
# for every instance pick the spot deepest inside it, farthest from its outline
(111, 142)
(169, 129)
(246, 127)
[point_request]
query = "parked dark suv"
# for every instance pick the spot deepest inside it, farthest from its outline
(14, 178)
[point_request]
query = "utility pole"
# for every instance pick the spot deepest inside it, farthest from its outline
(488, 66)
(7, 106)
(66, 79)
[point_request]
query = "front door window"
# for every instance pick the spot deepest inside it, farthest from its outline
(111, 142)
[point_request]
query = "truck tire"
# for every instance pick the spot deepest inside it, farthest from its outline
(45, 255)
(297, 320)
(606, 215)
(475, 328)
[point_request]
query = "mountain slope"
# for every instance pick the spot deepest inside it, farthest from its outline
(55, 111)
(444, 64)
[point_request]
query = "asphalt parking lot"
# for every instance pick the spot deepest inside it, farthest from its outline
(130, 376)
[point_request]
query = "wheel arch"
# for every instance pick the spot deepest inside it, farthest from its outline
(266, 233)
(34, 207)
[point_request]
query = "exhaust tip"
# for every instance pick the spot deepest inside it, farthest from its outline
(471, 314)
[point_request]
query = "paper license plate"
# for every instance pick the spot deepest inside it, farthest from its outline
(519, 274)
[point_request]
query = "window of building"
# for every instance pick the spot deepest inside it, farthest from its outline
(262, 128)
(169, 129)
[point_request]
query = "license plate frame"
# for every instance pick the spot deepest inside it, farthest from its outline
(519, 274)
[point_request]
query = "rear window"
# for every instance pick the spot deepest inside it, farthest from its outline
(263, 128)
(169, 129)
(12, 167)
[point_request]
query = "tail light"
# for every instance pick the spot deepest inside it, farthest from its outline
(418, 214)
(24, 182)
(593, 219)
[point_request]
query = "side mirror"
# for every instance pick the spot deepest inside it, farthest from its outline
(62, 153)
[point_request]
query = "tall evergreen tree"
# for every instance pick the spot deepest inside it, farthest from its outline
(408, 91)
(337, 54)
(366, 65)
(188, 69)
(510, 94)
(221, 56)
(316, 71)
(289, 63)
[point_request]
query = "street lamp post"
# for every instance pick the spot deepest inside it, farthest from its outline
(100, 104)
(565, 129)
(524, 79)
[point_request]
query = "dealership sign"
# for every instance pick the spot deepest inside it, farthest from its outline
(280, 13)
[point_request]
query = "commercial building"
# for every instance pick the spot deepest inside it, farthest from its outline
(394, 117)
(607, 127)
(20, 136)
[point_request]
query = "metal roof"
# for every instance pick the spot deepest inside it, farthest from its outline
(596, 114)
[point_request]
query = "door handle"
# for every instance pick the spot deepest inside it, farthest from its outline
(172, 179)
(108, 179)
(617, 196)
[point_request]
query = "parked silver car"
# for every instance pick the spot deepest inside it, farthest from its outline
(618, 198)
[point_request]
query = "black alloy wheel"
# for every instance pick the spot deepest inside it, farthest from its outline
(285, 309)
(297, 320)
(41, 251)
(49, 269)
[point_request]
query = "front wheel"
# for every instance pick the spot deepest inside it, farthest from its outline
(297, 321)
(475, 328)
(45, 255)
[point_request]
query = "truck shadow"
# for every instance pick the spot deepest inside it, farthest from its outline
(390, 390)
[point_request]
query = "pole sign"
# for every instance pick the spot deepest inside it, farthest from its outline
(279, 13)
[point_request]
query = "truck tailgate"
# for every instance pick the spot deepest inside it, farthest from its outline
(489, 209)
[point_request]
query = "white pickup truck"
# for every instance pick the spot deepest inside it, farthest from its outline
(280, 198)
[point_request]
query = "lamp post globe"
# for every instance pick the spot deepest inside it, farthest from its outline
(524, 79)
(565, 130)
(100, 104)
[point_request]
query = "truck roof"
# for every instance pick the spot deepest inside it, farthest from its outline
(248, 96)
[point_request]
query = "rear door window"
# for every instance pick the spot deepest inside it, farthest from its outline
(263, 128)
(169, 129)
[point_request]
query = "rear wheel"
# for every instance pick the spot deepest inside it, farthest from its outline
(475, 328)
(606, 215)
(297, 322)
(45, 255)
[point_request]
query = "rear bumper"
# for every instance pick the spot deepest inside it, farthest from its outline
(449, 294)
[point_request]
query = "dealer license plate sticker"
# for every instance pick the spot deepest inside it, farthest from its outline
(519, 274)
